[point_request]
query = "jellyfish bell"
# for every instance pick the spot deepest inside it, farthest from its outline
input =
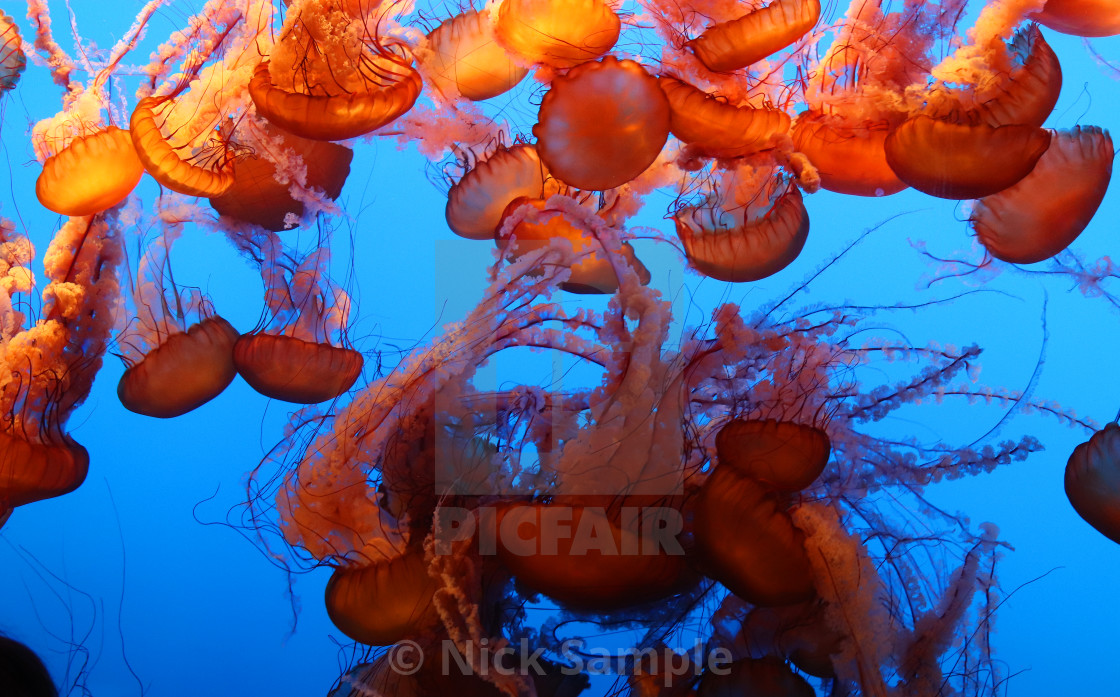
(294, 370)
(781, 455)
(258, 196)
(850, 159)
(463, 58)
(333, 85)
(745, 540)
(39, 466)
(12, 59)
(151, 131)
(184, 372)
(584, 557)
(757, 677)
(476, 203)
(559, 33)
(602, 124)
(1048, 209)
(91, 174)
(800, 633)
(383, 602)
(961, 161)
(759, 33)
(1092, 481)
(718, 128)
(532, 223)
(736, 240)
(1088, 18)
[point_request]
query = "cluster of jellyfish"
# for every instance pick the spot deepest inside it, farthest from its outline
(750, 432)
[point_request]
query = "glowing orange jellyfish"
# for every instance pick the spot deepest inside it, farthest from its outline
(327, 79)
(1080, 17)
(262, 196)
(463, 58)
(475, 204)
(91, 174)
(1045, 212)
(781, 455)
(383, 602)
(290, 357)
(584, 558)
(718, 128)
(850, 159)
(560, 33)
(542, 220)
(959, 161)
(1093, 481)
(12, 60)
(602, 124)
(757, 34)
(735, 239)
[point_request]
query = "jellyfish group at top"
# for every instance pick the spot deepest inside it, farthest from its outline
(734, 476)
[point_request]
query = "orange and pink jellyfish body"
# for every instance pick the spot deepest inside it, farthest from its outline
(1045, 212)
(781, 455)
(383, 602)
(559, 33)
(1093, 481)
(717, 128)
(91, 174)
(476, 203)
(754, 36)
(1080, 17)
(260, 196)
(960, 161)
(739, 242)
(176, 165)
(12, 60)
(850, 159)
(464, 59)
(602, 124)
(532, 223)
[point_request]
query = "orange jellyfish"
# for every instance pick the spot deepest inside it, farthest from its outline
(91, 174)
(1093, 481)
(462, 58)
(850, 159)
(781, 455)
(586, 557)
(718, 128)
(756, 677)
(328, 79)
(12, 60)
(757, 34)
(746, 231)
(475, 203)
(290, 356)
(1080, 17)
(960, 161)
(602, 124)
(559, 33)
(282, 163)
(173, 368)
(531, 223)
(383, 602)
(1045, 212)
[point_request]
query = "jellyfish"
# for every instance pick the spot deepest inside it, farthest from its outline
(1079, 17)
(332, 84)
(476, 202)
(718, 128)
(781, 455)
(757, 34)
(1091, 481)
(50, 366)
(12, 60)
(282, 165)
(602, 124)
(290, 355)
(178, 352)
(462, 58)
(22, 672)
(1046, 211)
(558, 33)
(752, 225)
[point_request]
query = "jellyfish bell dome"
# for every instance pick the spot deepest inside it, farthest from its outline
(92, 173)
(293, 370)
(384, 602)
(782, 455)
(1092, 481)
